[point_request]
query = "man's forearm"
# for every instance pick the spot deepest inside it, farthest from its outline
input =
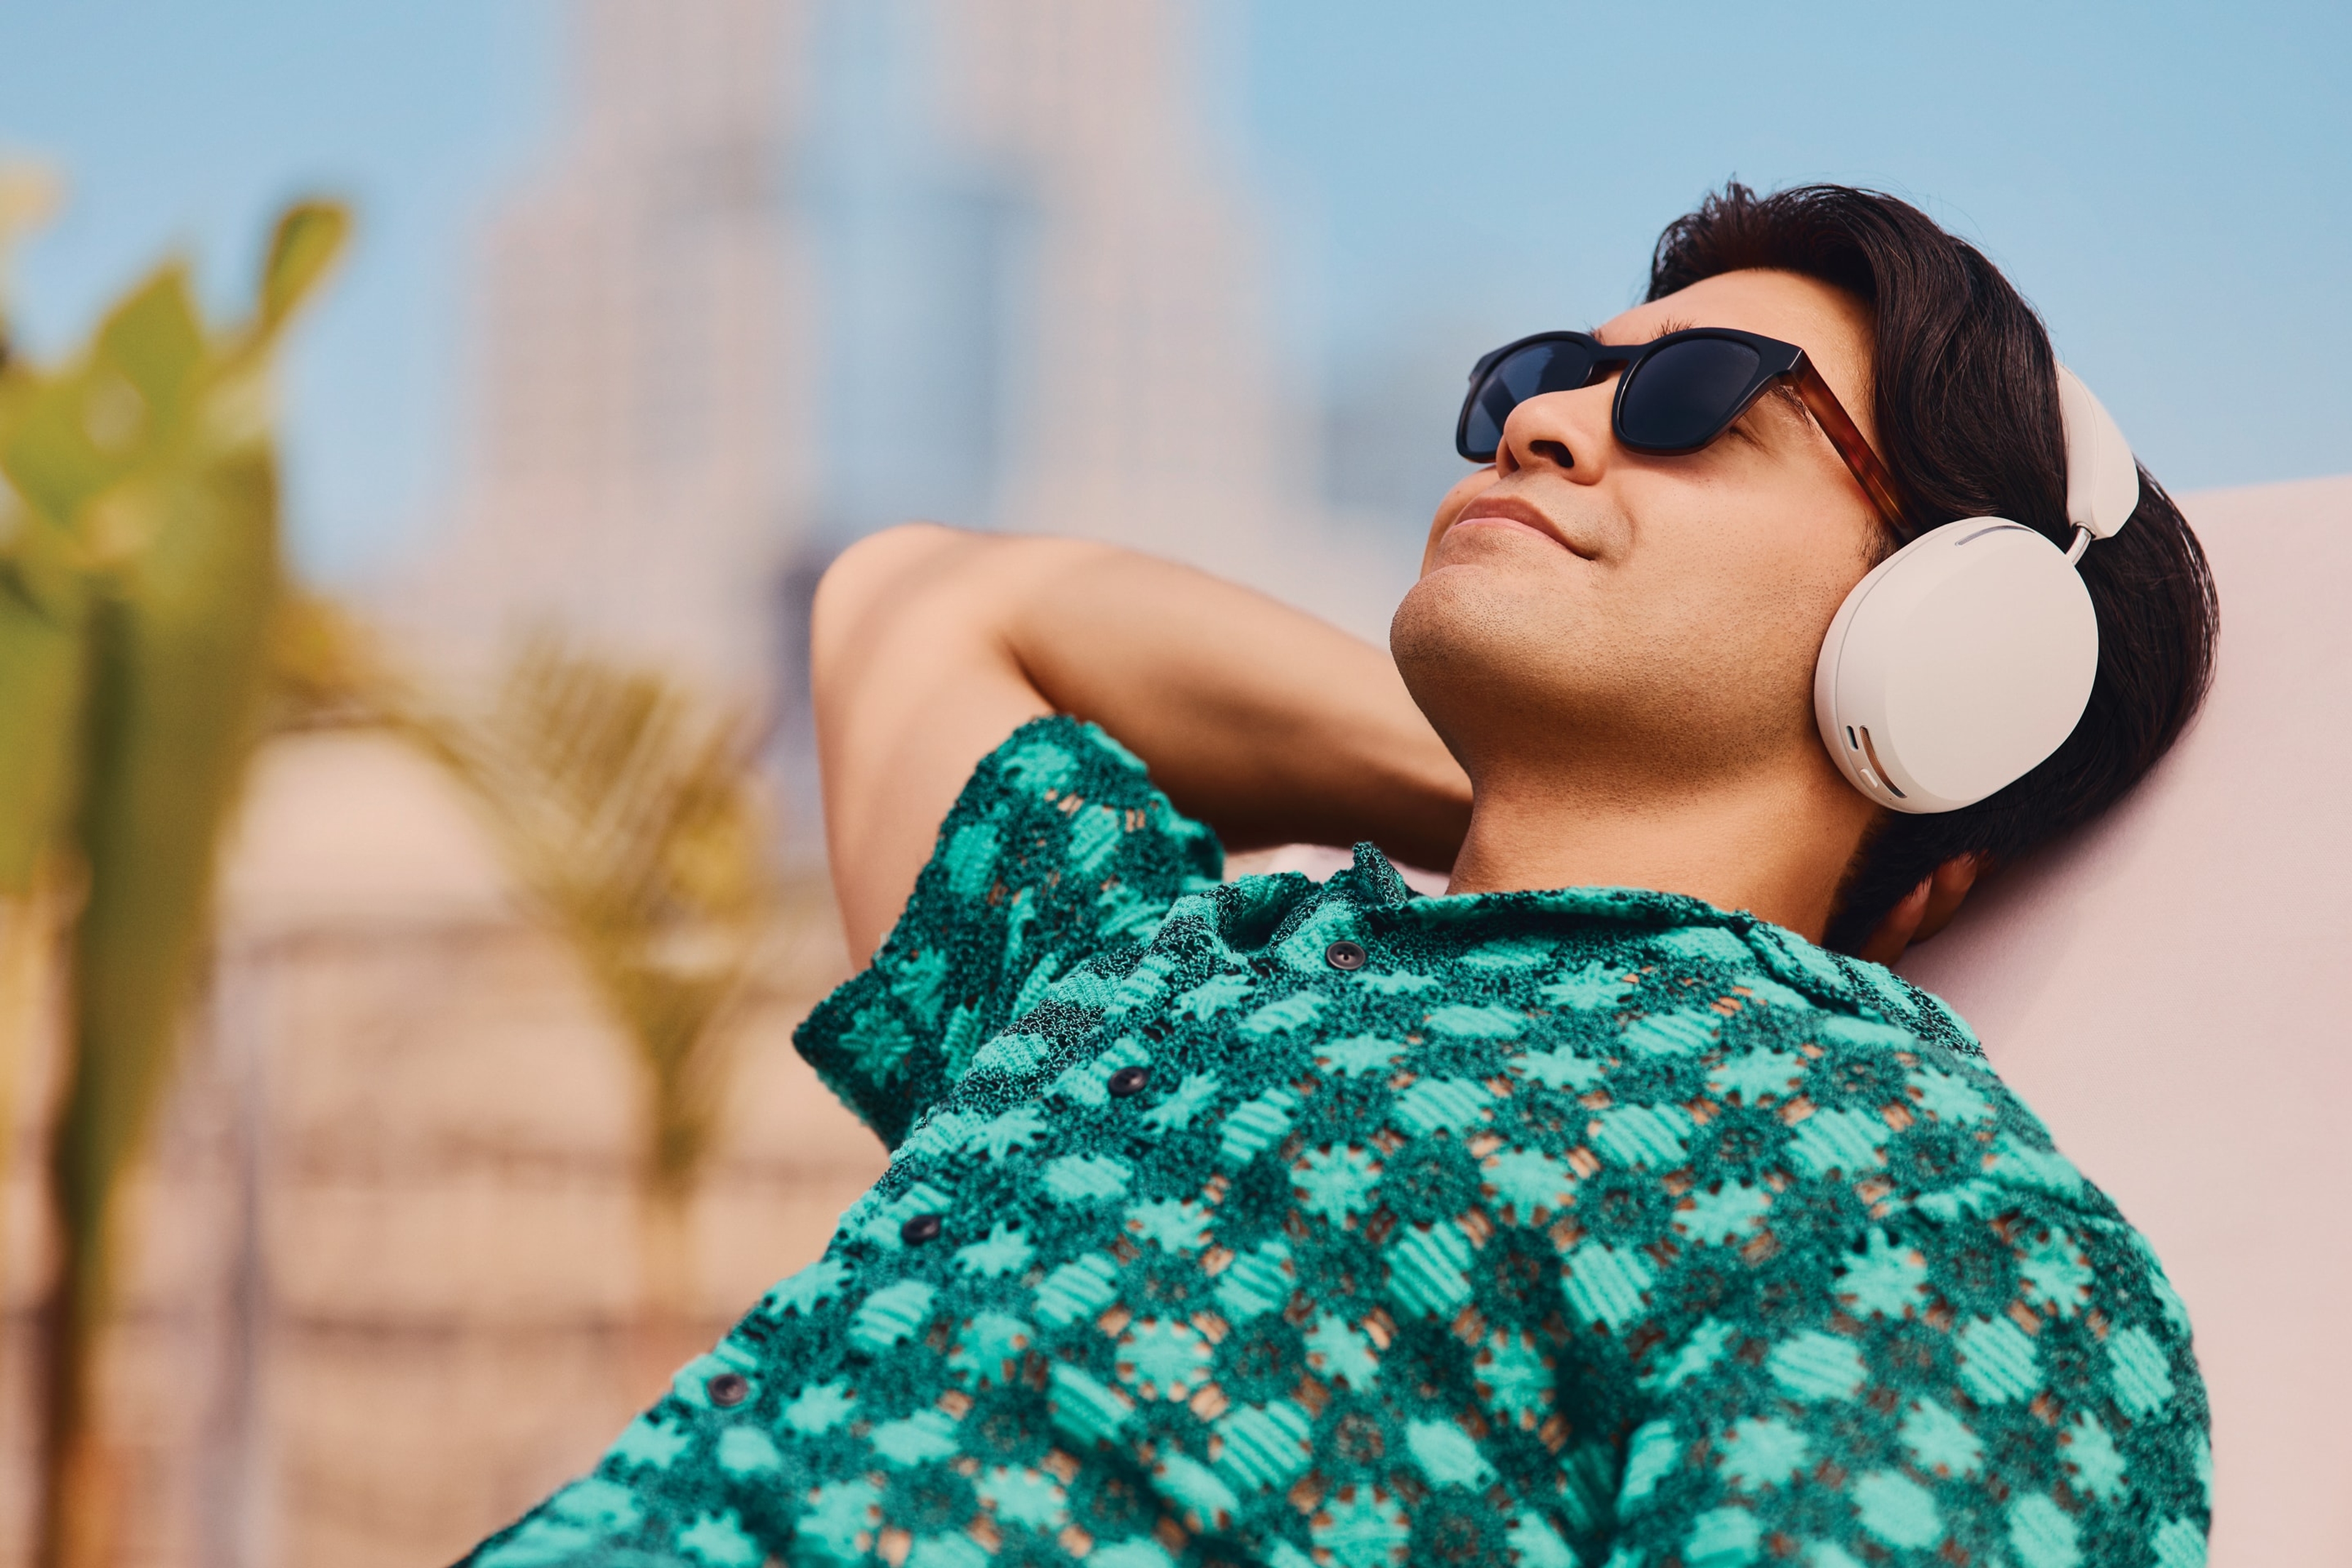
(1260, 720)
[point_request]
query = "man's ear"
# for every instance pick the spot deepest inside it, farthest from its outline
(1925, 909)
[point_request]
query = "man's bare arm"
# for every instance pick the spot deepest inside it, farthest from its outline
(930, 646)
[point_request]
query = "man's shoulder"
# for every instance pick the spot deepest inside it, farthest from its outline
(1059, 850)
(1859, 999)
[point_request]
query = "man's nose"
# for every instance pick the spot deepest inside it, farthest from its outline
(1566, 432)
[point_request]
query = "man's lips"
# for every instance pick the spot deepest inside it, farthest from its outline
(1510, 512)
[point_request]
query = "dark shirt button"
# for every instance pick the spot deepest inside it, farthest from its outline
(1345, 955)
(920, 1229)
(1129, 1080)
(728, 1389)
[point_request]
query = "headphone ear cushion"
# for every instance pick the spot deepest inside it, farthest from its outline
(1957, 666)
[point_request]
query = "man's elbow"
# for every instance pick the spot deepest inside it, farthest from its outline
(873, 575)
(870, 592)
(867, 571)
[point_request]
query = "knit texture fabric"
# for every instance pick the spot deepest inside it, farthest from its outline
(1283, 1224)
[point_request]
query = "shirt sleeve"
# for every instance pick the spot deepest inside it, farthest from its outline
(1995, 1375)
(1058, 851)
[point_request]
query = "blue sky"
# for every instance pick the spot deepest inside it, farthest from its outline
(2168, 184)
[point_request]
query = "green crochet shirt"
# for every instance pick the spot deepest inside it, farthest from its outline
(1282, 1224)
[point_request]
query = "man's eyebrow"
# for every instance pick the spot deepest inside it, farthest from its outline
(1664, 327)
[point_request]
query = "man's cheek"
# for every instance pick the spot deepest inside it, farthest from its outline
(1737, 630)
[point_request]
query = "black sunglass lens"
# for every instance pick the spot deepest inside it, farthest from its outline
(1523, 374)
(1681, 397)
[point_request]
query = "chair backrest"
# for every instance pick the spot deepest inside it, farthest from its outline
(2172, 991)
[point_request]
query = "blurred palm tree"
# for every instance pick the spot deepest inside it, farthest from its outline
(30, 195)
(328, 672)
(633, 817)
(148, 638)
(141, 576)
(634, 820)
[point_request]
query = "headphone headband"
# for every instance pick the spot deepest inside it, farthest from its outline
(2102, 479)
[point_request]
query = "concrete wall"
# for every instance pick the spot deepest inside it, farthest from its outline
(2165, 990)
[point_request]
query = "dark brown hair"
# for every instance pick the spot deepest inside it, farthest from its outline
(1965, 390)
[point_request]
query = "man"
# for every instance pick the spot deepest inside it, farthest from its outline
(1596, 1211)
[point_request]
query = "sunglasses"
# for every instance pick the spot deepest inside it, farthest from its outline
(1676, 395)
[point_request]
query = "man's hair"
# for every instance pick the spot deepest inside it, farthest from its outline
(1965, 390)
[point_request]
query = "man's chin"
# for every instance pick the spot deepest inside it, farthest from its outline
(1489, 597)
(1471, 633)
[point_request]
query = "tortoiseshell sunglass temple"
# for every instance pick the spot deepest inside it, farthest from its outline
(1847, 437)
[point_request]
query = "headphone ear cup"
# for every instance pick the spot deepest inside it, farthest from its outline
(1957, 666)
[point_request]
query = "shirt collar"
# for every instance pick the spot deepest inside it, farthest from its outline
(1379, 887)
(1851, 984)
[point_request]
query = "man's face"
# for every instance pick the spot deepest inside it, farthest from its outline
(1581, 604)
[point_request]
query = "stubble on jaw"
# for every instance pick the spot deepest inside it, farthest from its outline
(1518, 679)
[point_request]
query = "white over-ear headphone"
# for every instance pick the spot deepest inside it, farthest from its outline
(1967, 657)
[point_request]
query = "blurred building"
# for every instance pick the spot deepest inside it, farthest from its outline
(797, 270)
(637, 457)
(1049, 271)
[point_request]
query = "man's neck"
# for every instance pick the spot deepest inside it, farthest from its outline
(1774, 843)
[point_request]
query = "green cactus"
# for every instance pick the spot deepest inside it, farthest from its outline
(141, 572)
